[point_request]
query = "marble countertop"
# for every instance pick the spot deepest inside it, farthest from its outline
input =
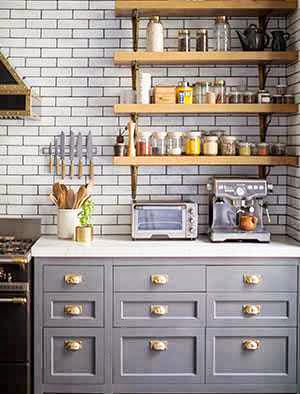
(123, 246)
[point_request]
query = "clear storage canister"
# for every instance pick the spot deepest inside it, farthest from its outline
(198, 93)
(159, 143)
(220, 91)
(278, 149)
(174, 143)
(211, 96)
(184, 40)
(222, 34)
(249, 97)
(244, 149)
(210, 146)
(228, 145)
(143, 144)
(193, 143)
(155, 35)
(262, 149)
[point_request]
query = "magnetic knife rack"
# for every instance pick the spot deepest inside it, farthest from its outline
(45, 151)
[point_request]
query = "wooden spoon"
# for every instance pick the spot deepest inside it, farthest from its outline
(81, 194)
(70, 199)
(53, 199)
(56, 188)
(83, 201)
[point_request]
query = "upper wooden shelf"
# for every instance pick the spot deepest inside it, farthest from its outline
(205, 7)
(229, 109)
(222, 58)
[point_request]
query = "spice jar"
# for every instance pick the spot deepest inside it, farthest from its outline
(281, 89)
(244, 149)
(193, 143)
(249, 97)
(278, 149)
(253, 149)
(237, 97)
(210, 146)
(197, 93)
(262, 149)
(220, 91)
(184, 40)
(228, 146)
(211, 97)
(277, 99)
(184, 93)
(288, 99)
(143, 146)
(174, 143)
(202, 40)
(159, 145)
(155, 35)
(263, 97)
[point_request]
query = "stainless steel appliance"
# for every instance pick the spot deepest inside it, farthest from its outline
(164, 220)
(233, 199)
(16, 239)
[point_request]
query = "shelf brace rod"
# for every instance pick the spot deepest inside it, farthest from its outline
(134, 175)
(134, 75)
(135, 29)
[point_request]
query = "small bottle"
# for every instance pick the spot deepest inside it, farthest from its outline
(155, 35)
(222, 34)
(184, 41)
(202, 40)
(220, 91)
(143, 146)
(159, 146)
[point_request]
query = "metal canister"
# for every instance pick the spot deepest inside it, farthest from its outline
(184, 93)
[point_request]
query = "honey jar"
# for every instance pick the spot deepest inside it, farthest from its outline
(193, 143)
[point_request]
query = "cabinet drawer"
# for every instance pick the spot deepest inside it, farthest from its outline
(159, 278)
(73, 310)
(73, 278)
(159, 310)
(262, 309)
(256, 278)
(74, 355)
(251, 355)
(158, 355)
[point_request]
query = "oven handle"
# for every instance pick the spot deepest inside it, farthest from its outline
(14, 300)
(147, 207)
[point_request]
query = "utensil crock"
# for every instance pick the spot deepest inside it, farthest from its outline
(67, 220)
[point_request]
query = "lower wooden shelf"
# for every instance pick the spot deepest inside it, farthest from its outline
(206, 160)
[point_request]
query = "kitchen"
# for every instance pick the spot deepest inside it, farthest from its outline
(111, 316)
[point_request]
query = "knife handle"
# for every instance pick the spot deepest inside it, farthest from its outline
(51, 165)
(63, 169)
(80, 169)
(72, 169)
(56, 167)
(91, 169)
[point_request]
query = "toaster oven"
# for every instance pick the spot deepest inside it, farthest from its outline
(164, 220)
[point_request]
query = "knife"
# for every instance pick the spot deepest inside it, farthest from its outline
(50, 159)
(56, 157)
(79, 155)
(89, 154)
(62, 154)
(72, 153)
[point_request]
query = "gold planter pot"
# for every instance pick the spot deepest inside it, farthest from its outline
(84, 234)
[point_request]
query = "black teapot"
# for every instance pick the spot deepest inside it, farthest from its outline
(253, 39)
(279, 42)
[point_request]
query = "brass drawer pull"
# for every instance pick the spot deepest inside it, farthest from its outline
(73, 279)
(158, 346)
(159, 310)
(251, 344)
(252, 310)
(73, 310)
(254, 279)
(159, 279)
(73, 345)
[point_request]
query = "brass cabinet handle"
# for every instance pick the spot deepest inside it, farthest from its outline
(73, 310)
(158, 346)
(159, 279)
(73, 279)
(254, 279)
(159, 310)
(253, 310)
(251, 344)
(73, 345)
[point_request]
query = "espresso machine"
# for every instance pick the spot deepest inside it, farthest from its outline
(236, 208)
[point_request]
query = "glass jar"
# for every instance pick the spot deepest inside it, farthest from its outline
(220, 91)
(263, 97)
(159, 145)
(184, 40)
(253, 149)
(184, 93)
(244, 149)
(193, 143)
(228, 146)
(222, 34)
(143, 145)
(210, 146)
(197, 93)
(174, 143)
(278, 149)
(277, 99)
(288, 99)
(281, 89)
(237, 97)
(262, 149)
(155, 35)
(210, 96)
(202, 40)
(249, 97)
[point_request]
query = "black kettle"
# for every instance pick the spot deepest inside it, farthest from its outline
(279, 42)
(253, 39)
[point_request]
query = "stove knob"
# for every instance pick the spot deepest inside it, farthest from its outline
(240, 191)
(192, 221)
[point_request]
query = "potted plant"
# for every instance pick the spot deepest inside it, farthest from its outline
(84, 232)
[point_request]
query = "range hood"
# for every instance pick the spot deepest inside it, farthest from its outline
(16, 98)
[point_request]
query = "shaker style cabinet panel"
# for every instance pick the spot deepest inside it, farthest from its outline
(159, 278)
(158, 356)
(159, 310)
(251, 355)
(252, 279)
(261, 309)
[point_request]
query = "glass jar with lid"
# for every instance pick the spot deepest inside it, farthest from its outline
(278, 149)
(222, 34)
(228, 145)
(159, 144)
(263, 97)
(237, 96)
(193, 143)
(155, 35)
(211, 96)
(249, 97)
(202, 40)
(199, 92)
(184, 40)
(210, 145)
(244, 149)
(262, 149)
(143, 144)
(174, 143)
(220, 91)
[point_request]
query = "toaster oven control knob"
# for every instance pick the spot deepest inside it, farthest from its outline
(240, 191)
(192, 221)
(192, 229)
(191, 211)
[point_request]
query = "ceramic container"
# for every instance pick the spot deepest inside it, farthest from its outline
(67, 220)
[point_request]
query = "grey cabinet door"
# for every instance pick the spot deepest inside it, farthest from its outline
(255, 309)
(158, 355)
(251, 355)
(173, 278)
(73, 310)
(263, 278)
(74, 355)
(159, 310)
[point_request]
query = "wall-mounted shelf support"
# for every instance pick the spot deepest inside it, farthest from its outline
(135, 29)
(134, 175)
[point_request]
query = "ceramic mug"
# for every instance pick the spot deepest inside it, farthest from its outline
(248, 222)
(67, 220)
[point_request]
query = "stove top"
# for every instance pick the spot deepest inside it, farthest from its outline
(10, 246)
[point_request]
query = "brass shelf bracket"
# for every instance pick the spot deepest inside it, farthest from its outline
(135, 29)
(134, 175)
(134, 75)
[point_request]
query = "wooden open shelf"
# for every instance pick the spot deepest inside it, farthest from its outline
(228, 109)
(213, 58)
(206, 160)
(205, 7)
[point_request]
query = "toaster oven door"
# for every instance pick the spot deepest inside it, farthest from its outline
(159, 221)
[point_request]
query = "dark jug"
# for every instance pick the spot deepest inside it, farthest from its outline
(279, 42)
(253, 38)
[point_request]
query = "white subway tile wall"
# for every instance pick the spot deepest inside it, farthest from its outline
(64, 49)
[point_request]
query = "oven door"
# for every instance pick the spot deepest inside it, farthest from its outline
(15, 379)
(159, 221)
